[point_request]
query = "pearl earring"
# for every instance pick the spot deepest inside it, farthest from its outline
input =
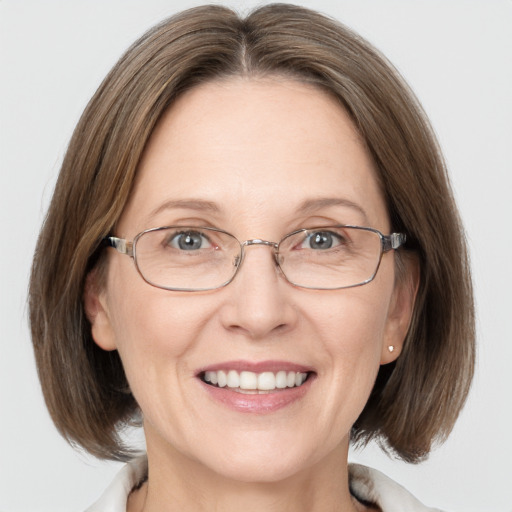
(391, 348)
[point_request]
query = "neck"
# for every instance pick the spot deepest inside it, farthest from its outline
(176, 482)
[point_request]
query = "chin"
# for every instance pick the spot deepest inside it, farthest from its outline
(265, 461)
(259, 471)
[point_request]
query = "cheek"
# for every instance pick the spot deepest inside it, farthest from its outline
(353, 323)
(351, 330)
(353, 348)
(153, 330)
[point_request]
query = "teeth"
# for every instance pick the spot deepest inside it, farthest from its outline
(248, 380)
(212, 377)
(281, 380)
(266, 381)
(233, 379)
(222, 379)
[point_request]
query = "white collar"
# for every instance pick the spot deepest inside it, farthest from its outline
(367, 484)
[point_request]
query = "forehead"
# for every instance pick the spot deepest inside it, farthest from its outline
(254, 147)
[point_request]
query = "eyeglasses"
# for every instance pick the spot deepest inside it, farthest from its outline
(185, 258)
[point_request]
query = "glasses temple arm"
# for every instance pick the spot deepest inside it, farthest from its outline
(393, 241)
(119, 244)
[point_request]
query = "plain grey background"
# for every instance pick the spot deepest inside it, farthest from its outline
(457, 56)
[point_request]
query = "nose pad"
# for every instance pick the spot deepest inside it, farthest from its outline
(279, 258)
(240, 261)
(260, 304)
(239, 258)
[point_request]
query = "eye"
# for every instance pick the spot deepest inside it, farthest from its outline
(321, 240)
(189, 241)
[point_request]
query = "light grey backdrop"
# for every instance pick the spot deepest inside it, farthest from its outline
(457, 56)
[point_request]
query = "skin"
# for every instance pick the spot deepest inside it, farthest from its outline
(241, 144)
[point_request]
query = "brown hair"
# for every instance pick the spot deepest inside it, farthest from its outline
(415, 400)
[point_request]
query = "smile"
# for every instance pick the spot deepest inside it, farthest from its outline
(260, 388)
(254, 383)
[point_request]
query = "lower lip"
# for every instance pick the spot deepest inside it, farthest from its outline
(258, 403)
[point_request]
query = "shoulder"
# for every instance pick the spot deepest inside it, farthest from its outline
(369, 485)
(116, 495)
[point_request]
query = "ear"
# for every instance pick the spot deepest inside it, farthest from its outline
(96, 310)
(400, 309)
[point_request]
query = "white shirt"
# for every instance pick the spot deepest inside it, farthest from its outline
(367, 484)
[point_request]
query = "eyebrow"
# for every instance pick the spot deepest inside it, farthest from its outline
(312, 205)
(307, 207)
(187, 204)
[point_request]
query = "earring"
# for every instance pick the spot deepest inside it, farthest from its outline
(391, 348)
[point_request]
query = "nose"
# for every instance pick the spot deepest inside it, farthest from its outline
(260, 299)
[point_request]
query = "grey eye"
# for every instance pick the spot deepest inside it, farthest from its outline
(321, 240)
(189, 241)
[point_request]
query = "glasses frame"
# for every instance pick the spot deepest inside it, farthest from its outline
(388, 243)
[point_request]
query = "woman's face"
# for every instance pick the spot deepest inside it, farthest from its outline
(259, 159)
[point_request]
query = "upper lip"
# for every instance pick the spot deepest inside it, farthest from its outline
(256, 366)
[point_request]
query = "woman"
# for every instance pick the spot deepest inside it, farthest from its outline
(296, 275)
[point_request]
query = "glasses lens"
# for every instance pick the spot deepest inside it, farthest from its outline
(330, 257)
(187, 258)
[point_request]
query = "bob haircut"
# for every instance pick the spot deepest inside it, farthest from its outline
(415, 400)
